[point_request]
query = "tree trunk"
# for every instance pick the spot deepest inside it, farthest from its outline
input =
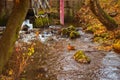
(10, 35)
(102, 16)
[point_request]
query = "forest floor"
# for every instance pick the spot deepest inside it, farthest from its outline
(59, 63)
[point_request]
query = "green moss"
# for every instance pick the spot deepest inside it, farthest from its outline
(71, 28)
(111, 20)
(38, 22)
(41, 22)
(70, 32)
(80, 56)
(64, 31)
(45, 21)
(74, 34)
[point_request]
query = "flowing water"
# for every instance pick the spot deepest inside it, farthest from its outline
(60, 65)
(110, 67)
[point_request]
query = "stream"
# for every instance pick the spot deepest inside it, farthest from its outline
(60, 65)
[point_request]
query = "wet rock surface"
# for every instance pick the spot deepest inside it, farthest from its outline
(59, 63)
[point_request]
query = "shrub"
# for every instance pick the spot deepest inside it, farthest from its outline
(19, 60)
(38, 22)
(41, 22)
(45, 21)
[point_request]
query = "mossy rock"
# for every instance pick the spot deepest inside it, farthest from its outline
(80, 57)
(74, 34)
(70, 32)
(71, 28)
(65, 31)
(116, 46)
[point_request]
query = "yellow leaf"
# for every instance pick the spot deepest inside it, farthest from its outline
(10, 72)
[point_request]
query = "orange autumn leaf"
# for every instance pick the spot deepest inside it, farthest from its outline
(17, 49)
(69, 47)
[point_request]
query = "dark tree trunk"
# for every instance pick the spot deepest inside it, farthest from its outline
(10, 35)
(102, 16)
